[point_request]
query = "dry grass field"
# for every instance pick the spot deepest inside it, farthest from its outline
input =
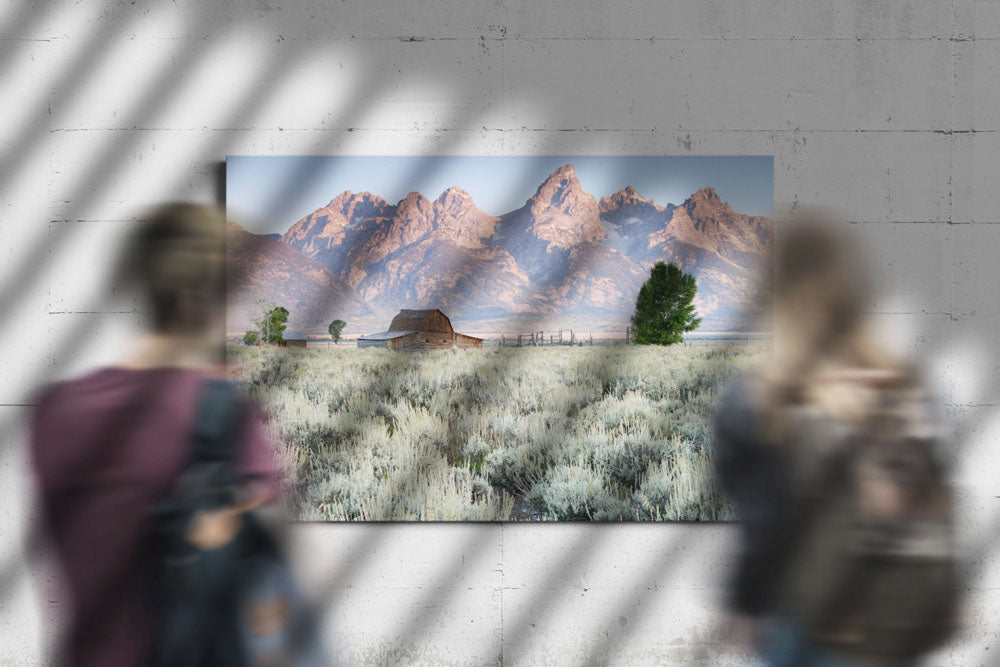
(601, 433)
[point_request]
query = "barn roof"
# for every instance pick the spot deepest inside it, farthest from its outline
(294, 335)
(385, 335)
(413, 320)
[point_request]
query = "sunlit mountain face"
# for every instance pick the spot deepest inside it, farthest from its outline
(564, 258)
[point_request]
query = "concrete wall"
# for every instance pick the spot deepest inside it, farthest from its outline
(887, 110)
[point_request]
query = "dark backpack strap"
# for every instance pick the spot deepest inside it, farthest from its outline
(217, 425)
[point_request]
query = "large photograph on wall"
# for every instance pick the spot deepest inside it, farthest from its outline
(496, 338)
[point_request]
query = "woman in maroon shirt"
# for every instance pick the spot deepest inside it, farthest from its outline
(108, 447)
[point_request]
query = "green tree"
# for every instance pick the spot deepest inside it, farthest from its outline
(250, 337)
(335, 328)
(272, 323)
(279, 321)
(664, 309)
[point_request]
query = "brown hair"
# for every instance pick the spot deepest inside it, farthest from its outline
(176, 259)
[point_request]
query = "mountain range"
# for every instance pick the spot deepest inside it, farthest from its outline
(564, 258)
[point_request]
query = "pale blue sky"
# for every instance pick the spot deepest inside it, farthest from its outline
(270, 193)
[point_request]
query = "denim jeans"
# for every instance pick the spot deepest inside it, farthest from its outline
(786, 644)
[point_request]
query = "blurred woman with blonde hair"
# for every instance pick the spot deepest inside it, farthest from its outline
(831, 455)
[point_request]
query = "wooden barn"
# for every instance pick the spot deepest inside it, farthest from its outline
(420, 330)
(295, 339)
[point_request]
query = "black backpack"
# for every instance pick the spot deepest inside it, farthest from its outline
(237, 605)
(876, 571)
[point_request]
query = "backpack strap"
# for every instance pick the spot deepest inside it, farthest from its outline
(217, 425)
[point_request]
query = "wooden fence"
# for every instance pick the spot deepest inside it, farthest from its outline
(625, 337)
(560, 337)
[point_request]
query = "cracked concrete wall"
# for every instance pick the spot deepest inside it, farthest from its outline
(886, 111)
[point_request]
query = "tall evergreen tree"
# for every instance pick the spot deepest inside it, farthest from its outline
(664, 309)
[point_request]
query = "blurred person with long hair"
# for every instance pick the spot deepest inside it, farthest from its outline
(111, 446)
(831, 452)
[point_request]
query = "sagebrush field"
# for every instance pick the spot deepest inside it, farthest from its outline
(601, 433)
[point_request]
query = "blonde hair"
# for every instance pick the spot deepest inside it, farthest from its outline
(824, 354)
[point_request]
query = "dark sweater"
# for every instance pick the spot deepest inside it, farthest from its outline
(107, 448)
(756, 479)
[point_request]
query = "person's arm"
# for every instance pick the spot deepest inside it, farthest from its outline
(211, 529)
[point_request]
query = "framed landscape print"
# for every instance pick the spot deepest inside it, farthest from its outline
(496, 338)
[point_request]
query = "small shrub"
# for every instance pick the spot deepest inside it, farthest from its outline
(282, 368)
(516, 468)
(626, 458)
(481, 489)
(574, 493)
(474, 452)
(684, 491)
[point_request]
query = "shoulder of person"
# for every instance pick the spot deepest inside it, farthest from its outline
(43, 401)
(60, 393)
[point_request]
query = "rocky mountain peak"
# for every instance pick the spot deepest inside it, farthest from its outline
(341, 200)
(708, 222)
(706, 202)
(358, 205)
(563, 214)
(567, 171)
(460, 221)
(414, 203)
(561, 185)
(707, 193)
(454, 198)
(627, 196)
